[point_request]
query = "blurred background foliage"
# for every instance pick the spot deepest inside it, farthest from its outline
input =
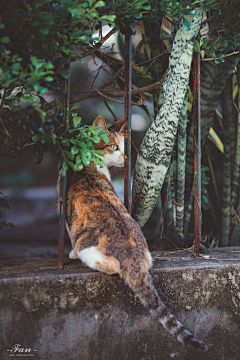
(38, 40)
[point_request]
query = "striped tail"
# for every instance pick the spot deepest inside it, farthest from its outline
(141, 284)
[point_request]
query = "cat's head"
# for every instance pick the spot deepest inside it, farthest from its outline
(114, 151)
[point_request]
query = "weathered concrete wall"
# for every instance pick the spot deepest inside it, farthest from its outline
(80, 314)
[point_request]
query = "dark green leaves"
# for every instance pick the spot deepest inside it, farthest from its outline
(4, 224)
(4, 203)
(204, 181)
(64, 73)
(5, 40)
(36, 137)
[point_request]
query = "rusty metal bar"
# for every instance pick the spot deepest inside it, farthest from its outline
(127, 122)
(197, 151)
(63, 179)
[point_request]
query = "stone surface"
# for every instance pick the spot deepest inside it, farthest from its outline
(76, 313)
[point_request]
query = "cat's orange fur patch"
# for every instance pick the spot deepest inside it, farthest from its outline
(111, 266)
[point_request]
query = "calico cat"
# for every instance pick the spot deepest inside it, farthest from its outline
(106, 238)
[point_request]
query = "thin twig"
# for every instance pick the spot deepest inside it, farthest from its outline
(134, 146)
(155, 57)
(109, 92)
(108, 98)
(233, 53)
(204, 22)
(136, 51)
(3, 97)
(99, 44)
(27, 144)
(235, 213)
(236, 107)
(109, 108)
(140, 102)
(96, 76)
(236, 183)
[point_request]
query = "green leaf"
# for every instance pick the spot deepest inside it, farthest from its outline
(96, 160)
(74, 150)
(101, 164)
(41, 130)
(105, 139)
(76, 121)
(85, 161)
(196, 46)
(75, 106)
(78, 167)
(214, 243)
(82, 145)
(85, 152)
(61, 61)
(62, 172)
(44, 30)
(205, 181)
(99, 4)
(65, 165)
(98, 153)
(204, 199)
(71, 164)
(4, 203)
(78, 159)
(36, 137)
(70, 155)
(64, 73)
(5, 40)
(48, 78)
(65, 142)
(103, 132)
(34, 60)
(108, 18)
(205, 206)
(186, 24)
(96, 139)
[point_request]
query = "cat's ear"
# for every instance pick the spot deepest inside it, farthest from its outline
(118, 126)
(100, 121)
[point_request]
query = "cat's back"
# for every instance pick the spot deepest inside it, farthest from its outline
(88, 183)
(95, 212)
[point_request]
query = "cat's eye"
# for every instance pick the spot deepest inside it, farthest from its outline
(114, 147)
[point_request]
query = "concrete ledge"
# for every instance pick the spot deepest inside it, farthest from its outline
(80, 314)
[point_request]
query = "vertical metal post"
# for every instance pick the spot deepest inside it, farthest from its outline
(127, 122)
(63, 180)
(197, 150)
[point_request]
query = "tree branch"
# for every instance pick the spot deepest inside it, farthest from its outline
(99, 44)
(209, 59)
(109, 92)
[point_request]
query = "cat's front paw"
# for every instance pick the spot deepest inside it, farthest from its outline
(72, 255)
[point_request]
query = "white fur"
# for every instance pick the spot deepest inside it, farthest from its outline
(90, 256)
(104, 171)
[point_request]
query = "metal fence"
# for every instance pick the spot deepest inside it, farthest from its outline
(127, 135)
